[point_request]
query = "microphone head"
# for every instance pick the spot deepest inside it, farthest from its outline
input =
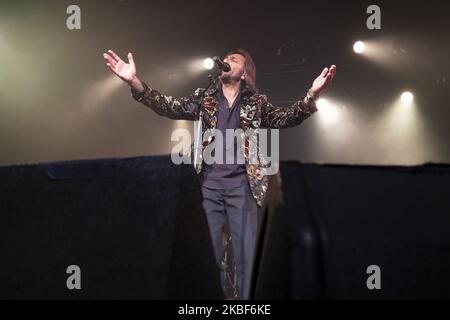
(225, 67)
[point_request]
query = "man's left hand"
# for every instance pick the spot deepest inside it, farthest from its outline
(323, 80)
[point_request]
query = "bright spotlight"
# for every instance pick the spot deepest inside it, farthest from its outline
(208, 63)
(359, 47)
(407, 97)
(328, 112)
(322, 103)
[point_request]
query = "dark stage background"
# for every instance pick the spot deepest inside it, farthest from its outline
(58, 101)
(136, 228)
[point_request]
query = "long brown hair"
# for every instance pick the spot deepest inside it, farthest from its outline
(249, 68)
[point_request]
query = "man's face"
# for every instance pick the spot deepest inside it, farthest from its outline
(237, 64)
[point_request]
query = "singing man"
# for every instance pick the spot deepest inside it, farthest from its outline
(231, 190)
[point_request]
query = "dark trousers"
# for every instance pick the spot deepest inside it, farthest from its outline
(239, 206)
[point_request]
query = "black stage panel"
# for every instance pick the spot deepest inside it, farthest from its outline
(339, 220)
(134, 226)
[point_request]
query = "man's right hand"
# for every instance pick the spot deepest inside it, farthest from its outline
(125, 71)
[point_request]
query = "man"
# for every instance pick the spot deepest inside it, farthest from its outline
(230, 190)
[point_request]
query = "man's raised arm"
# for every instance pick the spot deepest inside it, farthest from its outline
(184, 108)
(279, 117)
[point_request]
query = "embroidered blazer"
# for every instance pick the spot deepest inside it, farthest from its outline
(256, 112)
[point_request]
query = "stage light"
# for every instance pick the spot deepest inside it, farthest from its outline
(359, 47)
(388, 52)
(328, 113)
(322, 103)
(208, 63)
(401, 133)
(407, 97)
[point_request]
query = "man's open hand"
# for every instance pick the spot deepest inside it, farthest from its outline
(125, 71)
(323, 80)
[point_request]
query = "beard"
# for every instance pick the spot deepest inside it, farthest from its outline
(227, 77)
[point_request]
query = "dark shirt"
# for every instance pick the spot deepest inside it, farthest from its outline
(226, 176)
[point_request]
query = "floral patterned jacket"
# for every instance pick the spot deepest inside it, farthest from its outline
(255, 113)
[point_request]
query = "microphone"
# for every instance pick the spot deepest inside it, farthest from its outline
(225, 67)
